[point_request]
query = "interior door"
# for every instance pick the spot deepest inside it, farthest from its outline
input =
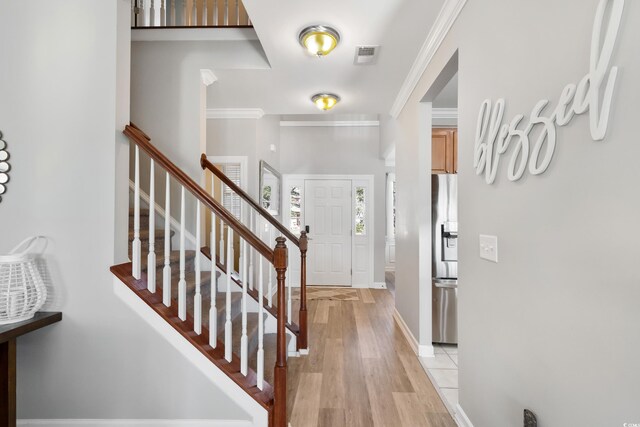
(328, 216)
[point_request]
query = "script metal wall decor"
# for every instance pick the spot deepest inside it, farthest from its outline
(594, 93)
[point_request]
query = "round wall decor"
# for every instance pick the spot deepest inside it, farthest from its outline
(4, 166)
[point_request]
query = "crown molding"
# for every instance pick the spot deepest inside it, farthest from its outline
(444, 113)
(447, 16)
(235, 113)
(329, 123)
(207, 77)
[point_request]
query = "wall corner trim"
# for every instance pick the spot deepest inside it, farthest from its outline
(419, 349)
(235, 113)
(461, 417)
(443, 23)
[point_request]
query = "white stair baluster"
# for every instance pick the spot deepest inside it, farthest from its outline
(205, 13)
(270, 289)
(151, 258)
(226, 12)
(228, 339)
(152, 14)
(137, 245)
(222, 255)
(182, 284)
(260, 366)
(237, 12)
(251, 252)
(244, 349)
(134, 9)
(215, 13)
(197, 302)
(172, 13)
(163, 13)
(184, 13)
(166, 271)
(289, 289)
(141, 14)
(194, 13)
(213, 311)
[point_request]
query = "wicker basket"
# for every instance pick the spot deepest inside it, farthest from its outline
(22, 291)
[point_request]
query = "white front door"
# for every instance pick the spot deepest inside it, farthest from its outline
(327, 213)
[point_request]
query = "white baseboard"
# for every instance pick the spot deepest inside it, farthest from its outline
(374, 285)
(136, 423)
(419, 349)
(461, 417)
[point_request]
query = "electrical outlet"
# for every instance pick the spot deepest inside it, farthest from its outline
(530, 419)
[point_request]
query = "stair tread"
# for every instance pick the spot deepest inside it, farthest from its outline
(254, 294)
(270, 352)
(143, 212)
(144, 234)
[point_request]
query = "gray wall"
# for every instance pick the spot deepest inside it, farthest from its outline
(340, 150)
(246, 137)
(554, 325)
(58, 109)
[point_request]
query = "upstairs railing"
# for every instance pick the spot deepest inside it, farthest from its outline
(275, 227)
(188, 13)
(248, 242)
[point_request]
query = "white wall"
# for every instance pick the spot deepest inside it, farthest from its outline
(246, 137)
(553, 325)
(60, 101)
(340, 150)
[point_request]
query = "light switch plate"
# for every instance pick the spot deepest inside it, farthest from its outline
(489, 247)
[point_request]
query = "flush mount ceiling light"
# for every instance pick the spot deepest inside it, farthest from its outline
(325, 101)
(319, 40)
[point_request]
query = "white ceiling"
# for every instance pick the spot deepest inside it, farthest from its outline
(400, 27)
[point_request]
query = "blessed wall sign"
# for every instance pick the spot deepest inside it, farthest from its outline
(593, 93)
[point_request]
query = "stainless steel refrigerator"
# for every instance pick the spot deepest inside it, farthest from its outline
(444, 265)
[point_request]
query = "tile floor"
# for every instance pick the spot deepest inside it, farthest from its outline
(443, 372)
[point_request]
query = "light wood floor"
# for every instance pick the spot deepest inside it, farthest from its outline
(361, 371)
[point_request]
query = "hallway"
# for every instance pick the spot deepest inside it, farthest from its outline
(360, 371)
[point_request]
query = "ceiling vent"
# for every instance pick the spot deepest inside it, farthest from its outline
(366, 54)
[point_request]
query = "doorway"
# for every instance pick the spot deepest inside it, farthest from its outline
(338, 211)
(438, 308)
(327, 217)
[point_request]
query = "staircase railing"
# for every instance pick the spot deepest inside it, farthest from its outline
(276, 226)
(188, 13)
(163, 297)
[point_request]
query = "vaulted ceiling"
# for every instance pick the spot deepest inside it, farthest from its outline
(399, 27)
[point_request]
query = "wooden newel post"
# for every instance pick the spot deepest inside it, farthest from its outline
(303, 343)
(280, 370)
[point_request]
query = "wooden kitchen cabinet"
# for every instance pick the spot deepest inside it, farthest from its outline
(444, 151)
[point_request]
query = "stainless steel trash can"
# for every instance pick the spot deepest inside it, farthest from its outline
(445, 311)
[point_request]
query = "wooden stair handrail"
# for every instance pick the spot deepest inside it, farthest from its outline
(139, 138)
(133, 125)
(206, 164)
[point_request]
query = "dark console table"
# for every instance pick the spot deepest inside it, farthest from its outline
(8, 335)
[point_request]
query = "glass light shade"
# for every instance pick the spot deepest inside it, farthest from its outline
(325, 101)
(319, 40)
